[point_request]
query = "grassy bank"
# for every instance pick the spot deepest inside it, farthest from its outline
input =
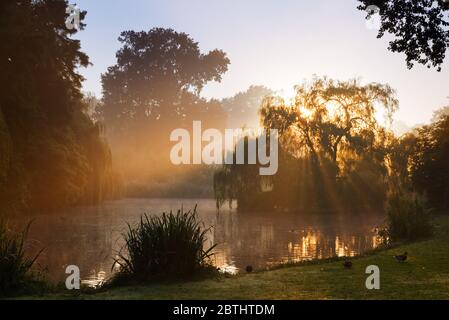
(424, 276)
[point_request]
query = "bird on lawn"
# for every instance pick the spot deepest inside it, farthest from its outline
(401, 257)
(347, 264)
(249, 269)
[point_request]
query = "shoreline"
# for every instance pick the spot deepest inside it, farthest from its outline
(423, 276)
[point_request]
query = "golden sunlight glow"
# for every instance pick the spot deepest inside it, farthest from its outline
(306, 113)
(332, 108)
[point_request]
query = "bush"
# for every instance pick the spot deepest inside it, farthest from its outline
(14, 265)
(408, 218)
(166, 246)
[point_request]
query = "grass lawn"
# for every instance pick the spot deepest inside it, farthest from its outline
(425, 275)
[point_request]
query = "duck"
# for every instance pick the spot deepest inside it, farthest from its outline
(249, 269)
(401, 257)
(347, 264)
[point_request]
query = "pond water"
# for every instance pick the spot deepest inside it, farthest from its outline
(90, 237)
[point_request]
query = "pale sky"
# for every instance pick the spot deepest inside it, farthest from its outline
(276, 43)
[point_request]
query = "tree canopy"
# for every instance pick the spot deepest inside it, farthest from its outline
(332, 146)
(420, 28)
(156, 72)
(155, 87)
(429, 165)
(330, 117)
(55, 155)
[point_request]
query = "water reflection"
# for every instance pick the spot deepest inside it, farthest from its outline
(262, 241)
(90, 237)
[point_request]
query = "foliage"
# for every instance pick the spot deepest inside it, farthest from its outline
(158, 76)
(55, 155)
(166, 246)
(243, 182)
(408, 218)
(440, 114)
(419, 28)
(331, 147)
(14, 265)
(330, 117)
(153, 89)
(400, 151)
(430, 165)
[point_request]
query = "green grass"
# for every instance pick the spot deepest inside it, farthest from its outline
(424, 276)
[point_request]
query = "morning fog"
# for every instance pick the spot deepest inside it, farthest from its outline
(220, 148)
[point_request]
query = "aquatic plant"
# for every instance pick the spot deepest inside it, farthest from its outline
(166, 246)
(15, 266)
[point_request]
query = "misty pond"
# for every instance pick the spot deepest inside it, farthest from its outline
(89, 237)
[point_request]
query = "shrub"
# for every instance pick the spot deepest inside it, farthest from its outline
(166, 246)
(15, 266)
(408, 218)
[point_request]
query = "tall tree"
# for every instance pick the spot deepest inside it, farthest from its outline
(56, 152)
(155, 71)
(430, 166)
(155, 87)
(331, 148)
(330, 117)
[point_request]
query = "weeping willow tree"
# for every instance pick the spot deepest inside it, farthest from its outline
(332, 147)
(237, 182)
(243, 182)
(51, 153)
(331, 120)
(223, 186)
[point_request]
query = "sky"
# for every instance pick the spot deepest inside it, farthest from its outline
(276, 43)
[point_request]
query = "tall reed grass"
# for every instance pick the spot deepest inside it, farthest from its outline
(166, 246)
(15, 266)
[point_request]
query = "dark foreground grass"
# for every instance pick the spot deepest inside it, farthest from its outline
(424, 276)
(169, 246)
(15, 266)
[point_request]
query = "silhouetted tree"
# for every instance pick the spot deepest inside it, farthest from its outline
(430, 165)
(55, 151)
(155, 72)
(332, 152)
(330, 118)
(153, 88)
(419, 28)
(400, 151)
